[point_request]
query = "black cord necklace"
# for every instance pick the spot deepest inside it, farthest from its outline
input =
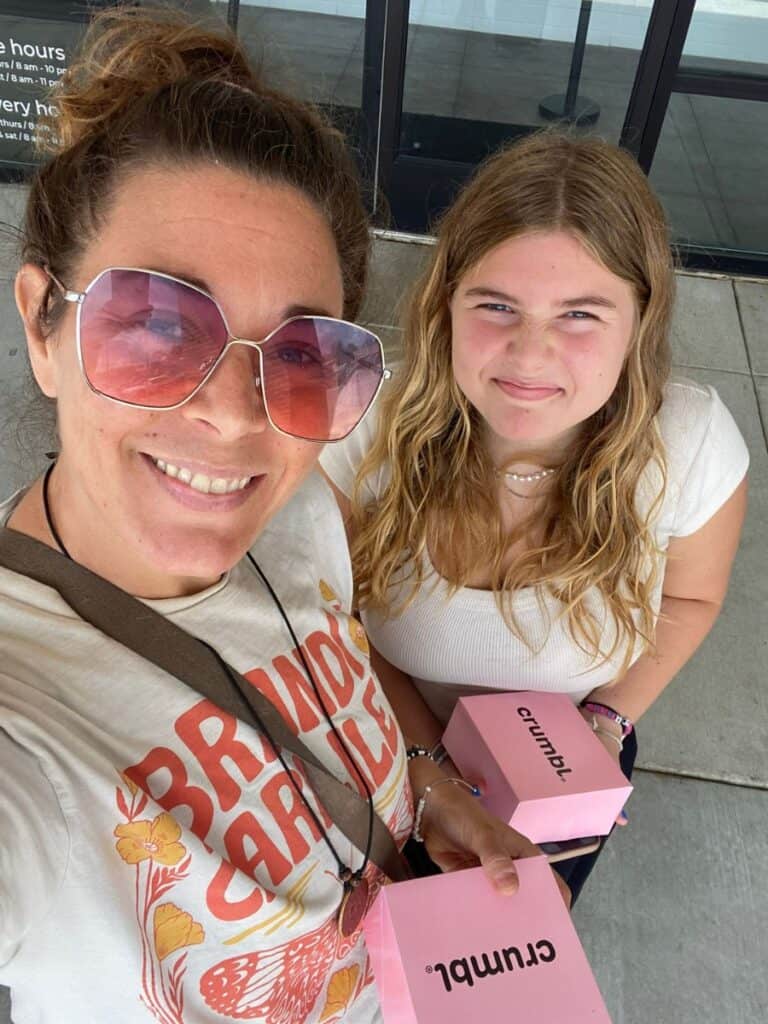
(354, 902)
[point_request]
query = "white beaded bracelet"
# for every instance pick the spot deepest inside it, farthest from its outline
(416, 834)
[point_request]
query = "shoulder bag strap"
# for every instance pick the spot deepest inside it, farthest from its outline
(154, 637)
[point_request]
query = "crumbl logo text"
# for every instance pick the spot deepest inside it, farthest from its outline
(467, 970)
(556, 760)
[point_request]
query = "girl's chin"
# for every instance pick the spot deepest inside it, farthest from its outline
(534, 431)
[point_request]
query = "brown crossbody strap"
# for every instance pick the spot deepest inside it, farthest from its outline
(154, 637)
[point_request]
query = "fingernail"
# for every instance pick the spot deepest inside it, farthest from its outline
(506, 880)
(624, 816)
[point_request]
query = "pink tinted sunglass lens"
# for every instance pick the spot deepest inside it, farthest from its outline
(320, 376)
(148, 340)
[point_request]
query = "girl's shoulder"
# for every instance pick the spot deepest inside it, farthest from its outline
(307, 537)
(340, 460)
(706, 455)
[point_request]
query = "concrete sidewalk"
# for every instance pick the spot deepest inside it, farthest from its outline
(674, 920)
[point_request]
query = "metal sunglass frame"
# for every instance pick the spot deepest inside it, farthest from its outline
(79, 298)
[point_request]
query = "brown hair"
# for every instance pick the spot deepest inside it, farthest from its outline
(152, 86)
(442, 489)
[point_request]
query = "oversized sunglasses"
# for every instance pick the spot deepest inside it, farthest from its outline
(152, 341)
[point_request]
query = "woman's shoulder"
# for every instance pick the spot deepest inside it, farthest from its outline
(34, 842)
(705, 453)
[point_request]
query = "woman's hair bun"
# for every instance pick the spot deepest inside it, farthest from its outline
(129, 51)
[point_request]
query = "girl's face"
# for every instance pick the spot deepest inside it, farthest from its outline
(265, 253)
(540, 334)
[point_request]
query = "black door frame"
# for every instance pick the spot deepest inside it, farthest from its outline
(659, 74)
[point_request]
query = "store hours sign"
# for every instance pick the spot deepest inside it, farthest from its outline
(35, 48)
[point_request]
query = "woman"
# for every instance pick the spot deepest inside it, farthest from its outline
(541, 508)
(158, 857)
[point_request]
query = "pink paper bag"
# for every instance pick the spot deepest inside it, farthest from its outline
(449, 949)
(538, 764)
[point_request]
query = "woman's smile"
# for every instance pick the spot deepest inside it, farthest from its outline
(201, 491)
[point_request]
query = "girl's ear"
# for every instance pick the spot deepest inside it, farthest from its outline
(30, 288)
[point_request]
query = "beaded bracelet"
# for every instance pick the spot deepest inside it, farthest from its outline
(608, 712)
(417, 751)
(416, 834)
(438, 753)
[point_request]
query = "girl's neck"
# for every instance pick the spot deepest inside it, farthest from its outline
(529, 453)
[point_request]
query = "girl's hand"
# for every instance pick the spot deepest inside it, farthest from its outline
(606, 725)
(459, 833)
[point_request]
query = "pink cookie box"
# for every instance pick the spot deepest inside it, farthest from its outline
(538, 764)
(449, 949)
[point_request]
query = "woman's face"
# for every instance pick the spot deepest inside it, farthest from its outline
(540, 334)
(264, 252)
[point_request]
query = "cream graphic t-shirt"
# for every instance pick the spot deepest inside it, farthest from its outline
(155, 861)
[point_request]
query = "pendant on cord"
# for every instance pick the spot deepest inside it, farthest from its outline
(354, 904)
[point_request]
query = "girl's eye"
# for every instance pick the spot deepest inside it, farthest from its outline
(580, 314)
(496, 307)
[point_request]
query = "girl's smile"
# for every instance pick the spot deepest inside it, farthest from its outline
(540, 332)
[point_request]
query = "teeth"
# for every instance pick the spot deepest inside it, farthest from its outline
(200, 482)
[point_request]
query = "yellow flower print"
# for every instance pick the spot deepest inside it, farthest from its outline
(327, 592)
(156, 840)
(175, 929)
(340, 991)
(358, 636)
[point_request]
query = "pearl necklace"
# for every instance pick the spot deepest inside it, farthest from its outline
(510, 479)
(525, 478)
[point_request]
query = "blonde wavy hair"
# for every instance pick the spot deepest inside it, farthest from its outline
(441, 489)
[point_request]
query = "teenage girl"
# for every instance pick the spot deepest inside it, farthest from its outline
(537, 505)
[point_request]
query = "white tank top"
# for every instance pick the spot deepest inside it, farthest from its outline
(450, 642)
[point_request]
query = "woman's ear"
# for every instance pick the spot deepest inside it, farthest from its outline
(30, 288)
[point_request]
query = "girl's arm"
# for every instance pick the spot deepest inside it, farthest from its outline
(695, 583)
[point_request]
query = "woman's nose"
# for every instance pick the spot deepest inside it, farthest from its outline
(231, 401)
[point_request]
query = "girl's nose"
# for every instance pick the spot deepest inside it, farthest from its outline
(528, 343)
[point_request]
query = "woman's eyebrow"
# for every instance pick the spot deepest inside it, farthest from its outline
(287, 313)
(292, 311)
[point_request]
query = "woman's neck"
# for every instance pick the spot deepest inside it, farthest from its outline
(102, 555)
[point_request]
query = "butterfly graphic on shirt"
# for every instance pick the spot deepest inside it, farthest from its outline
(282, 985)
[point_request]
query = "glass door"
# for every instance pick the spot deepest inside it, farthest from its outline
(710, 163)
(476, 75)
